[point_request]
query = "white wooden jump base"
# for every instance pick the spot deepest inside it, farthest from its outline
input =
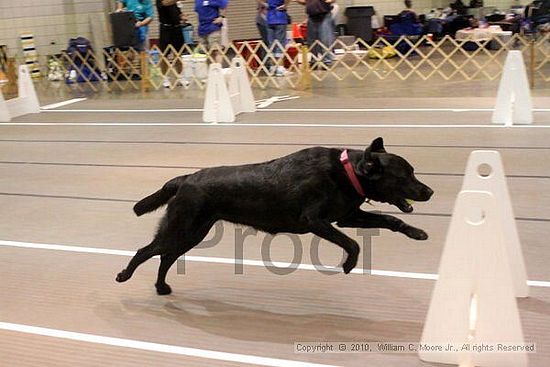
(513, 105)
(25, 103)
(480, 275)
(227, 98)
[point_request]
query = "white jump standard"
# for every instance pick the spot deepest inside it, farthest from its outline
(26, 101)
(224, 100)
(480, 275)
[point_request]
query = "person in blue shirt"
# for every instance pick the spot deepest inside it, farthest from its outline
(211, 14)
(143, 11)
(277, 21)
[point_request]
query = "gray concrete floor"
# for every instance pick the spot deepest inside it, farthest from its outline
(74, 185)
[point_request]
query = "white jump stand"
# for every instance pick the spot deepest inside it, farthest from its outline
(227, 97)
(473, 302)
(481, 273)
(513, 105)
(25, 103)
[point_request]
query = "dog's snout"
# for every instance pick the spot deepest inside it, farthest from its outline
(428, 192)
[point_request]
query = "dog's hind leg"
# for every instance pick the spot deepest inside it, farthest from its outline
(192, 237)
(166, 261)
(188, 220)
(329, 233)
(165, 241)
(361, 219)
(185, 224)
(142, 255)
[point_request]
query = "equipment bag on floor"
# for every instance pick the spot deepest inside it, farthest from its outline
(83, 67)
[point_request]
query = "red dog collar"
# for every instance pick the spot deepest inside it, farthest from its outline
(351, 173)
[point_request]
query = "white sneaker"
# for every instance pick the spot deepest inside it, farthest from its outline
(184, 82)
(166, 83)
(281, 71)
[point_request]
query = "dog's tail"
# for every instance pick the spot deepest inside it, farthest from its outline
(159, 198)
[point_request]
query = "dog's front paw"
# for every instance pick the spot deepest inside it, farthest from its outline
(416, 234)
(123, 276)
(163, 289)
(349, 264)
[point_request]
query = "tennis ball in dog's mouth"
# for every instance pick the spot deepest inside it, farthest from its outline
(410, 201)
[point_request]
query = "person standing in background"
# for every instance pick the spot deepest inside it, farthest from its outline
(277, 21)
(170, 26)
(320, 27)
(459, 7)
(211, 14)
(261, 24)
(143, 11)
(261, 19)
(408, 11)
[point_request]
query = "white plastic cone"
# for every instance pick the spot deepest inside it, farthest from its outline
(513, 105)
(4, 113)
(27, 101)
(495, 183)
(239, 88)
(27, 91)
(217, 103)
(473, 301)
(227, 98)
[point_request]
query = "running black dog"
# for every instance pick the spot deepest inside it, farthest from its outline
(302, 192)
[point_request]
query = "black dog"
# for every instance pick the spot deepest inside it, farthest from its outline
(303, 192)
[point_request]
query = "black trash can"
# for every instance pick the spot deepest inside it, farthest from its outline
(359, 22)
(123, 24)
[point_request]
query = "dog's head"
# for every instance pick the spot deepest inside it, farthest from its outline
(389, 178)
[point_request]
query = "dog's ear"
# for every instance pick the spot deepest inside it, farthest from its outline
(370, 162)
(377, 146)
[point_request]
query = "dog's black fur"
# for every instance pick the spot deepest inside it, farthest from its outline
(302, 192)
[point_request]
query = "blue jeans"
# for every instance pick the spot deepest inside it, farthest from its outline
(142, 33)
(276, 32)
(262, 28)
(321, 30)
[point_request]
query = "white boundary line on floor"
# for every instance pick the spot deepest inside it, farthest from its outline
(156, 347)
(390, 109)
(229, 261)
(337, 126)
(61, 104)
(287, 110)
(126, 110)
